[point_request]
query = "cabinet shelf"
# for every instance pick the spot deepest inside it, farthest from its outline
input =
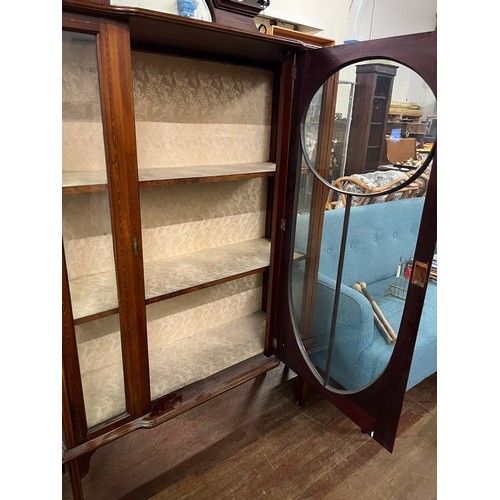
(94, 296)
(178, 364)
(95, 180)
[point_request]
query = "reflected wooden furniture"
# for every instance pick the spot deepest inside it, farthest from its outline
(401, 150)
(407, 117)
(370, 108)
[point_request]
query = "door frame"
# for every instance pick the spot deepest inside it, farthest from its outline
(376, 408)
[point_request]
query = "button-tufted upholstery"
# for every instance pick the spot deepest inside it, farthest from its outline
(379, 235)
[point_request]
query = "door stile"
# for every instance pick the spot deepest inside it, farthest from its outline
(284, 124)
(74, 420)
(73, 408)
(399, 366)
(121, 158)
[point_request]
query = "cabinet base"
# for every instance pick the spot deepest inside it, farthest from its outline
(178, 402)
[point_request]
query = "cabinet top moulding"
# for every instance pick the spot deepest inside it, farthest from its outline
(174, 31)
(95, 180)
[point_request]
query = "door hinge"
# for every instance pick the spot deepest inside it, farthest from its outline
(283, 224)
(419, 276)
(135, 245)
(275, 342)
(294, 72)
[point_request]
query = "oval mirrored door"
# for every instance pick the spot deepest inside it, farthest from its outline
(367, 139)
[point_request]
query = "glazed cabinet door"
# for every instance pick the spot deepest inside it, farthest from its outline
(169, 163)
(105, 365)
(359, 228)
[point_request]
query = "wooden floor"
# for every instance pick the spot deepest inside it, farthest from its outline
(255, 442)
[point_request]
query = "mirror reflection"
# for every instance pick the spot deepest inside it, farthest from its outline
(368, 133)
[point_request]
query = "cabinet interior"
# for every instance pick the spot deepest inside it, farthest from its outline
(203, 131)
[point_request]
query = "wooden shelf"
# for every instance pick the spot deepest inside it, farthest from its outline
(178, 364)
(306, 38)
(95, 296)
(96, 180)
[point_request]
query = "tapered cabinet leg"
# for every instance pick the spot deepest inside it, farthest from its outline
(76, 479)
(77, 470)
(301, 389)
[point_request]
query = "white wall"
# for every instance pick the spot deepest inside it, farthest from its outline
(363, 20)
(321, 17)
(360, 19)
(385, 18)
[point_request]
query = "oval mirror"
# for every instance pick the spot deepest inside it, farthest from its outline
(368, 137)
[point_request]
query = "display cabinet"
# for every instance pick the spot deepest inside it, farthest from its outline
(178, 154)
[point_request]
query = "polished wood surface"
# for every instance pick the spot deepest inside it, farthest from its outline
(283, 95)
(180, 401)
(115, 80)
(96, 180)
(93, 296)
(377, 408)
(229, 38)
(256, 442)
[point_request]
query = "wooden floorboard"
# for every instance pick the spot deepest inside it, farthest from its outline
(256, 442)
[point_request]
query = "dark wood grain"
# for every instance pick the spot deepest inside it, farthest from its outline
(74, 423)
(176, 32)
(177, 293)
(181, 401)
(94, 188)
(284, 114)
(115, 71)
(366, 143)
(375, 409)
(204, 179)
(208, 284)
(74, 420)
(169, 182)
(256, 442)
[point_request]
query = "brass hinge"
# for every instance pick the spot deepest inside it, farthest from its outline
(275, 342)
(283, 224)
(419, 276)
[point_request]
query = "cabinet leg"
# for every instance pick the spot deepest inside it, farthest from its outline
(301, 389)
(84, 464)
(78, 469)
(76, 480)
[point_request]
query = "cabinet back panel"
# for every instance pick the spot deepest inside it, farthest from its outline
(181, 219)
(195, 112)
(176, 327)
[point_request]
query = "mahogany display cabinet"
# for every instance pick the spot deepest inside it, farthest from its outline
(182, 149)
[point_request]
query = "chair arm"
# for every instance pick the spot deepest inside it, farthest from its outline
(354, 327)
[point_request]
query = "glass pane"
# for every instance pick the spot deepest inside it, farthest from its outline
(87, 233)
(101, 366)
(348, 299)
